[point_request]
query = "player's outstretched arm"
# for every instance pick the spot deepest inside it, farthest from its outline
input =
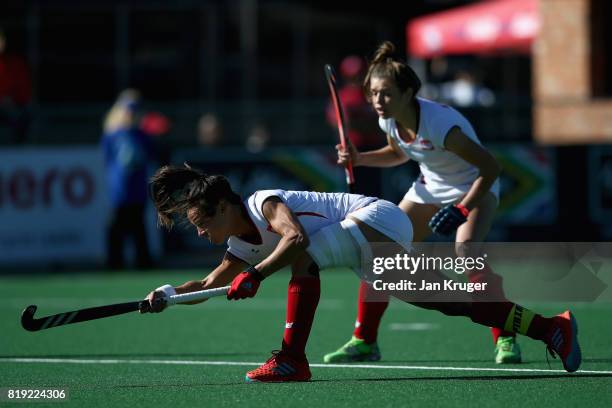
(388, 156)
(223, 274)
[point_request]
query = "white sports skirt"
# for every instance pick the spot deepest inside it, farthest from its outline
(343, 245)
(438, 194)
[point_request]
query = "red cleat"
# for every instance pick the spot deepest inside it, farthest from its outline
(563, 340)
(280, 368)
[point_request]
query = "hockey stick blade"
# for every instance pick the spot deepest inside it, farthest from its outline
(30, 323)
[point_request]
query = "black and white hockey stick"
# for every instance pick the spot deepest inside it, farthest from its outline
(330, 75)
(30, 323)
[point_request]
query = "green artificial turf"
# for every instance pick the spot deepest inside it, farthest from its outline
(168, 359)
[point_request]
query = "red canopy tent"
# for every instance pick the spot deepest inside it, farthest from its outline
(484, 27)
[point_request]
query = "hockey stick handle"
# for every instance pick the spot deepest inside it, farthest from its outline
(195, 296)
(330, 75)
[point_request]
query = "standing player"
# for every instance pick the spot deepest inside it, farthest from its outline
(457, 174)
(311, 231)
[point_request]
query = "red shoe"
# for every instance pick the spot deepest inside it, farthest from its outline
(280, 368)
(563, 340)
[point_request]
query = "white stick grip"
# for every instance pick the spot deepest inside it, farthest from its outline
(199, 295)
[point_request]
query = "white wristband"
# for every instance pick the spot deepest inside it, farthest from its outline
(167, 289)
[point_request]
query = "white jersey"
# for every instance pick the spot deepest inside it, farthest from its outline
(314, 210)
(438, 165)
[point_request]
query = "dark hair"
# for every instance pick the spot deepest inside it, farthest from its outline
(176, 189)
(386, 64)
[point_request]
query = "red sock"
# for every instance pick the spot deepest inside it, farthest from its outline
(497, 333)
(369, 313)
(302, 300)
(495, 290)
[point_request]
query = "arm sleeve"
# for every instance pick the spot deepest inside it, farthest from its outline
(440, 124)
(263, 195)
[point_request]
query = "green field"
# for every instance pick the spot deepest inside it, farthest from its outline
(197, 355)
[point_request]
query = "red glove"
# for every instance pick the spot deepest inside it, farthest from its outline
(244, 286)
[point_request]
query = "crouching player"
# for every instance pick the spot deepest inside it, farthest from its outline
(311, 231)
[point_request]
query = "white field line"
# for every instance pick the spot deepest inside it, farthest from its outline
(254, 364)
(415, 326)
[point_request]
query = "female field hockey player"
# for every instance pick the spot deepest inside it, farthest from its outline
(457, 189)
(310, 231)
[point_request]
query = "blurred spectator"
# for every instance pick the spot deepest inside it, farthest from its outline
(451, 81)
(15, 92)
(127, 154)
(258, 139)
(157, 125)
(210, 130)
(361, 121)
(465, 91)
(438, 70)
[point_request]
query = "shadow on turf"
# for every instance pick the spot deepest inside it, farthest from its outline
(597, 360)
(474, 378)
(487, 360)
(471, 360)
